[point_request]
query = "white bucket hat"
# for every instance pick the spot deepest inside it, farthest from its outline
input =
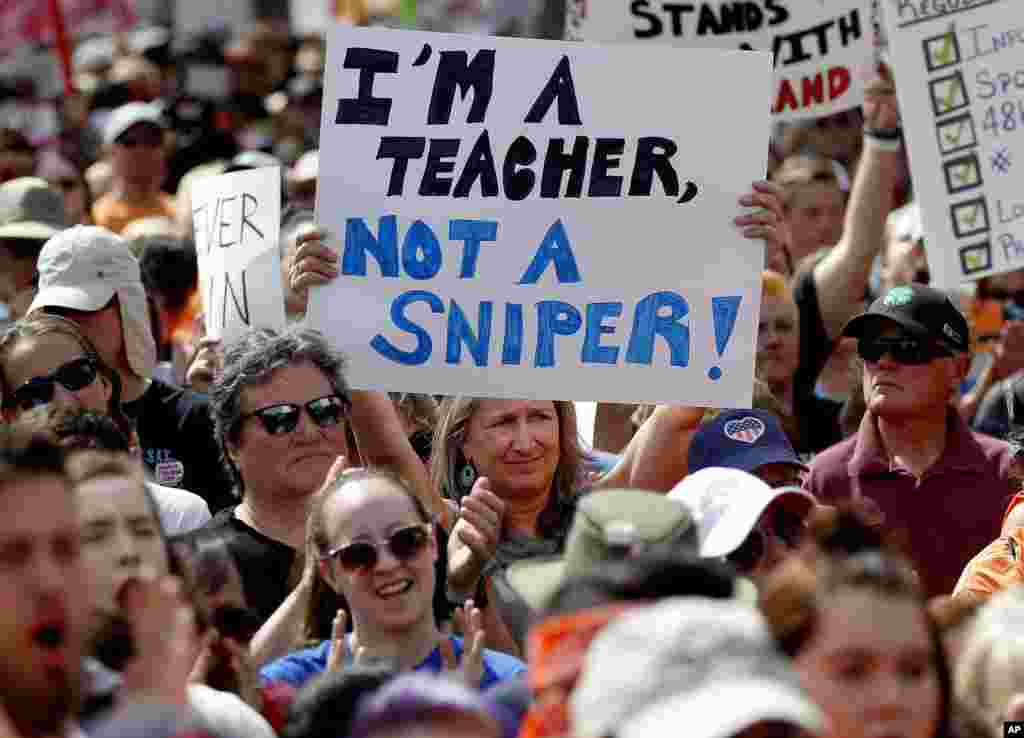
(83, 268)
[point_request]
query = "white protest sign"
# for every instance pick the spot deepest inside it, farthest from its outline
(237, 220)
(960, 83)
(540, 219)
(586, 419)
(821, 49)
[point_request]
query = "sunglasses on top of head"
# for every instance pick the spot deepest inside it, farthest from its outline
(910, 351)
(73, 376)
(325, 412)
(362, 556)
(785, 526)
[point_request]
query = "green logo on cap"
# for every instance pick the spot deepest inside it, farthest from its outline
(898, 296)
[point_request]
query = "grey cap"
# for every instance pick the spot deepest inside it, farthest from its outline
(710, 665)
(30, 209)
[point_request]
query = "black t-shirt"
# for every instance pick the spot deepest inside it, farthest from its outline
(265, 566)
(818, 417)
(178, 446)
(993, 416)
(815, 345)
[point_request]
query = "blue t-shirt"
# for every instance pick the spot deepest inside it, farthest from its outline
(298, 668)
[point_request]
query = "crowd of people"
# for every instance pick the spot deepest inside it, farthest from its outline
(225, 541)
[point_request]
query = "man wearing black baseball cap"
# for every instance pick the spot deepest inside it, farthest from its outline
(933, 480)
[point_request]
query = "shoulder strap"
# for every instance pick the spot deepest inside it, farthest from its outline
(1010, 396)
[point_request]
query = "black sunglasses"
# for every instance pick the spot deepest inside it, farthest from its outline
(362, 556)
(908, 351)
(73, 376)
(325, 412)
(786, 526)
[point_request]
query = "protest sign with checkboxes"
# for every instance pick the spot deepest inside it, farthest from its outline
(956, 134)
(976, 258)
(942, 51)
(970, 217)
(962, 173)
(948, 93)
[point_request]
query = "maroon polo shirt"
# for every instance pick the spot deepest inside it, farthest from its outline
(946, 517)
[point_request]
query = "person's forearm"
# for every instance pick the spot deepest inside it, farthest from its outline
(283, 630)
(382, 442)
(499, 637)
(613, 426)
(841, 277)
(464, 571)
(656, 458)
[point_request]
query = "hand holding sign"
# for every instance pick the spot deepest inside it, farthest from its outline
(315, 262)
(881, 111)
(769, 224)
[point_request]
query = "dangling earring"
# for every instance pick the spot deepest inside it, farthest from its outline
(465, 476)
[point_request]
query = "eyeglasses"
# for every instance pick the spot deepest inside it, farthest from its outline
(405, 544)
(786, 527)
(908, 351)
(325, 412)
(73, 376)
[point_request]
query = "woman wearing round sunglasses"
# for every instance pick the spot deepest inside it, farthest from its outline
(45, 359)
(375, 546)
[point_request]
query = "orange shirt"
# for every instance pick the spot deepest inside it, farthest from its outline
(999, 566)
(114, 214)
(1017, 499)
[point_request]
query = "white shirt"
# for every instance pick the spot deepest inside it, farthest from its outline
(226, 715)
(180, 511)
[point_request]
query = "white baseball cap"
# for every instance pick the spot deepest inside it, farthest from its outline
(727, 503)
(83, 268)
(126, 116)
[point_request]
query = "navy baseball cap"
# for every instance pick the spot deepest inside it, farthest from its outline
(741, 439)
(923, 312)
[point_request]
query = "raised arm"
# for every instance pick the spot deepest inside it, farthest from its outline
(382, 442)
(378, 430)
(841, 278)
(656, 458)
